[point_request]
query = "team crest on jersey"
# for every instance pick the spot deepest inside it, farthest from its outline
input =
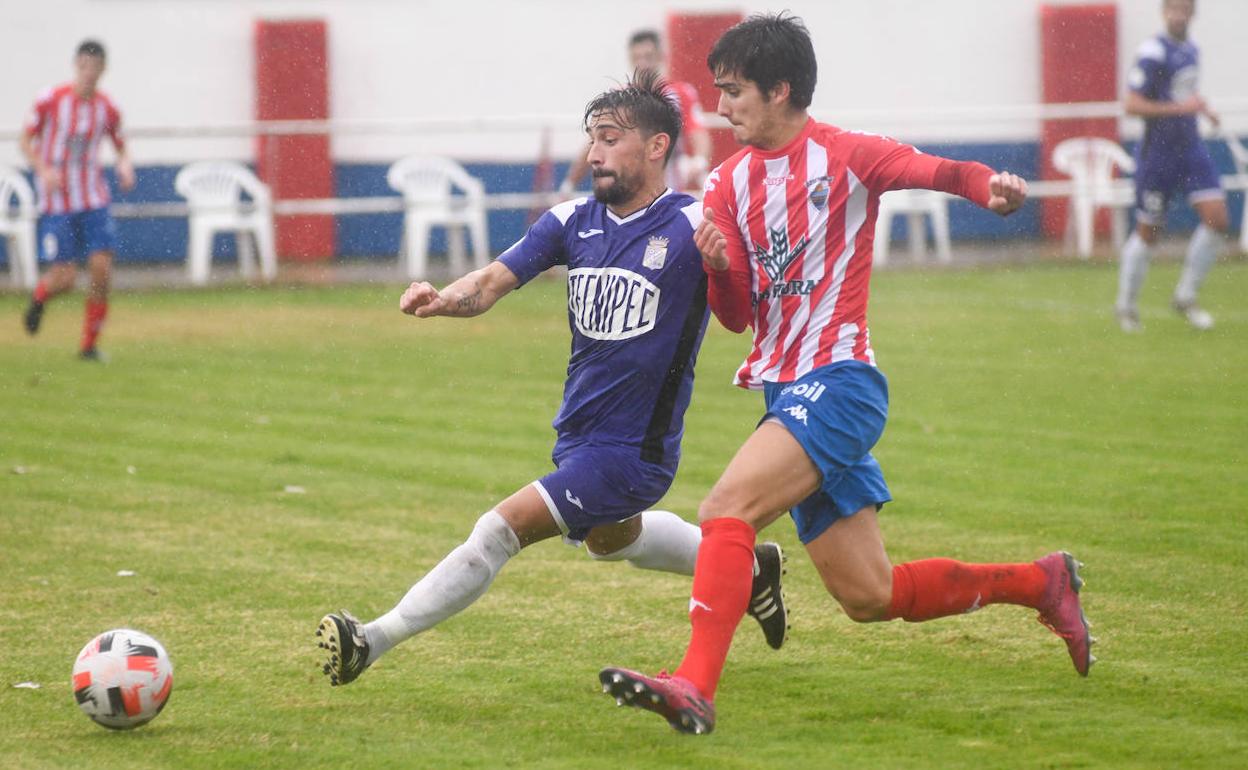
(777, 259)
(818, 190)
(656, 253)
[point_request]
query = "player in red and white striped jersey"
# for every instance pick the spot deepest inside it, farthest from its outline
(787, 244)
(61, 140)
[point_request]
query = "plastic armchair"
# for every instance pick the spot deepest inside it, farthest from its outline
(1091, 163)
(1239, 154)
(915, 204)
(427, 185)
(214, 190)
(17, 226)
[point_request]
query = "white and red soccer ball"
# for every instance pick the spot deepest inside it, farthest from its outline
(122, 679)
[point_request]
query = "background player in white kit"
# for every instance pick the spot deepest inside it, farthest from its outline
(1171, 158)
(637, 308)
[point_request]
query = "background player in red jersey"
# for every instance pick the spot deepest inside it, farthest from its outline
(61, 141)
(787, 243)
(693, 152)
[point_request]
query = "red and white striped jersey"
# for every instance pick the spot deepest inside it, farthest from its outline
(68, 131)
(686, 97)
(799, 224)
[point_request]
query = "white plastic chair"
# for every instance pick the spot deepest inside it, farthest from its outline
(427, 185)
(1239, 154)
(915, 204)
(214, 190)
(17, 226)
(1091, 163)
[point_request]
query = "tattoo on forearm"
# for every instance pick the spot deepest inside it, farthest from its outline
(468, 303)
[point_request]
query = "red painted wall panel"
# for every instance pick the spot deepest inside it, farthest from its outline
(292, 83)
(1079, 63)
(690, 37)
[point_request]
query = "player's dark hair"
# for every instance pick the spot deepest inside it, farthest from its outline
(91, 48)
(642, 103)
(769, 49)
(645, 36)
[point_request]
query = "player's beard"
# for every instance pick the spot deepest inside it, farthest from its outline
(619, 187)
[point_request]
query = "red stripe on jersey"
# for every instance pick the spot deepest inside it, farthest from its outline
(85, 159)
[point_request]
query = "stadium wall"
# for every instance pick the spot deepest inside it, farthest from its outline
(191, 63)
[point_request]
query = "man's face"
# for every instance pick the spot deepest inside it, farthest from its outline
(745, 107)
(645, 56)
(87, 71)
(1178, 14)
(617, 159)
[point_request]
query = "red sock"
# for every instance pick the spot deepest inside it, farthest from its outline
(92, 321)
(934, 588)
(721, 593)
(41, 292)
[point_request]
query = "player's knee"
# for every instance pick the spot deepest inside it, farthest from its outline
(864, 604)
(723, 502)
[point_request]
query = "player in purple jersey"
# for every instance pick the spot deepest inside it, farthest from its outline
(1171, 158)
(637, 311)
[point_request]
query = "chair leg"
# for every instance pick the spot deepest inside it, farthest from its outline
(1243, 226)
(267, 249)
(199, 253)
(416, 233)
(1118, 221)
(1084, 223)
(24, 254)
(246, 250)
(480, 241)
(455, 253)
(918, 236)
(883, 232)
(940, 234)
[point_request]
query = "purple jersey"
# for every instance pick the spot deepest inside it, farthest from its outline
(1166, 70)
(637, 310)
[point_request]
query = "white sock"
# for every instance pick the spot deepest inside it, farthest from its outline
(667, 542)
(1131, 271)
(1202, 252)
(450, 587)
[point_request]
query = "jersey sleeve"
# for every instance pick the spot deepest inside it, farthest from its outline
(540, 249)
(1147, 75)
(884, 164)
(38, 115)
(690, 109)
(114, 127)
(728, 291)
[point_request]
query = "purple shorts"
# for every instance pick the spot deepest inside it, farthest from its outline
(595, 485)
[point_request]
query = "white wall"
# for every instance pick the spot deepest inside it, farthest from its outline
(190, 62)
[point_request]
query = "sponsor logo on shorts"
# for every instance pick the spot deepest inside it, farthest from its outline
(574, 500)
(808, 390)
(611, 303)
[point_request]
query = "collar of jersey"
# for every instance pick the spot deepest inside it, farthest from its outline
(639, 212)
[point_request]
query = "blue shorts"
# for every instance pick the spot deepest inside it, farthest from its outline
(595, 485)
(837, 413)
(1161, 172)
(71, 237)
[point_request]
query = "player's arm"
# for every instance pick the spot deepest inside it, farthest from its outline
(890, 165)
(726, 262)
(125, 168)
(1141, 106)
(473, 294)
(52, 179)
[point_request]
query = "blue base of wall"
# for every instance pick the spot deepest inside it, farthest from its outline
(378, 235)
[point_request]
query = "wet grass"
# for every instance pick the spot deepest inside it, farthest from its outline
(1022, 421)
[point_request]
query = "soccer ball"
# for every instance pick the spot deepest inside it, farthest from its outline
(122, 679)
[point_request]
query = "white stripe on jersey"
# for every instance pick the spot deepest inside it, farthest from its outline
(775, 217)
(816, 166)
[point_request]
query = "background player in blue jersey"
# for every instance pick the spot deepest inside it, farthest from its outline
(637, 310)
(1171, 159)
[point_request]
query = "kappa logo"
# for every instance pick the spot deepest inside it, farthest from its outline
(590, 233)
(694, 604)
(574, 500)
(798, 412)
(777, 259)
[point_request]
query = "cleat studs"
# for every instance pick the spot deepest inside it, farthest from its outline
(617, 678)
(619, 701)
(698, 730)
(628, 695)
(684, 720)
(1091, 659)
(638, 687)
(1092, 640)
(606, 688)
(654, 698)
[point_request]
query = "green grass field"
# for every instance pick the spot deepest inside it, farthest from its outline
(1022, 422)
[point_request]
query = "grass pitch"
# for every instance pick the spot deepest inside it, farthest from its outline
(259, 457)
